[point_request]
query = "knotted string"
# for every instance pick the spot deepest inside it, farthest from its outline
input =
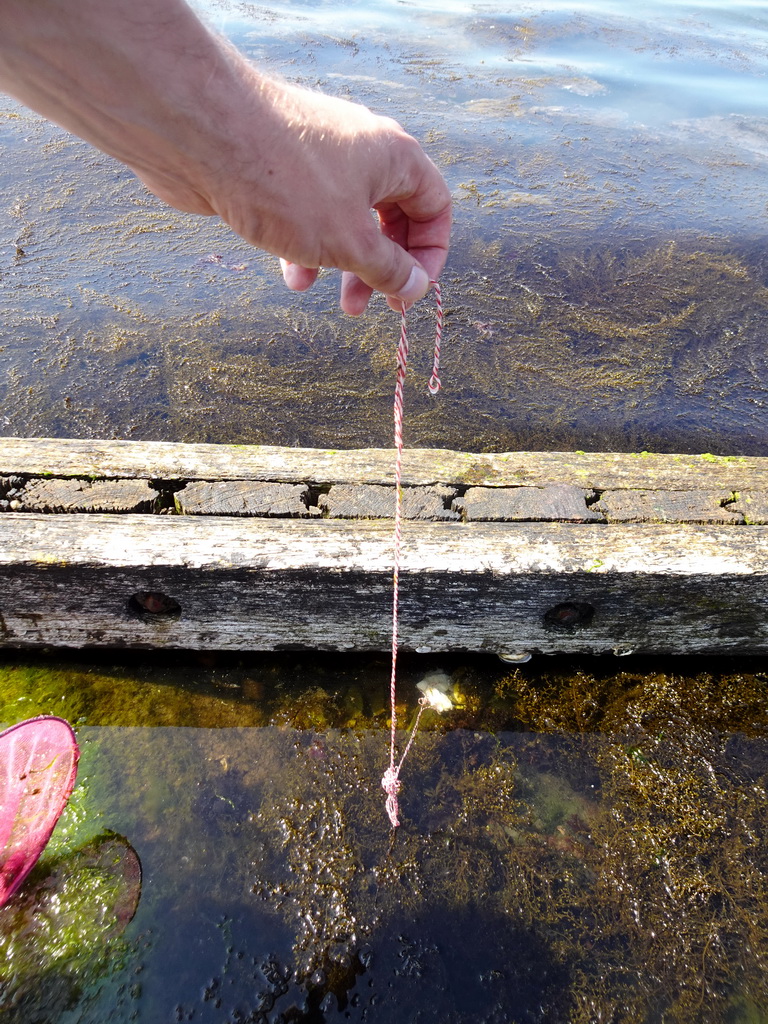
(391, 779)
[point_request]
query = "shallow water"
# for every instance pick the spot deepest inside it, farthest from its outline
(606, 287)
(580, 841)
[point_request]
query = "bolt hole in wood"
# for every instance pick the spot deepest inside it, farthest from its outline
(569, 615)
(153, 604)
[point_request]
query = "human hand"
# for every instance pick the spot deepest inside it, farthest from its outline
(301, 176)
(359, 162)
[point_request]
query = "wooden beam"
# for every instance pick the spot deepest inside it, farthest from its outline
(259, 584)
(249, 581)
(421, 466)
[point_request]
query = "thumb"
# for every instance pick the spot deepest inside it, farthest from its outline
(415, 287)
(393, 270)
(389, 269)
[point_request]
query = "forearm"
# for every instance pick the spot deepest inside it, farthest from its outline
(143, 80)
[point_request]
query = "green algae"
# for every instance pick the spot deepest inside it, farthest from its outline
(63, 932)
(721, 460)
(96, 695)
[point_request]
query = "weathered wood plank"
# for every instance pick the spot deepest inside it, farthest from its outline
(705, 506)
(243, 498)
(377, 501)
(557, 502)
(281, 584)
(87, 496)
(216, 581)
(754, 507)
(166, 460)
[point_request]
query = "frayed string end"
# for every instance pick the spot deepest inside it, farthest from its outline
(391, 786)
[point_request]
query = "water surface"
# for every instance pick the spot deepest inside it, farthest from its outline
(606, 287)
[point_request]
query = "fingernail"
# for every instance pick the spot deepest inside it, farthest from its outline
(417, 285)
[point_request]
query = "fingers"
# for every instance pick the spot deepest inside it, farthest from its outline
(296, 277)
(355, 293)
(403, 275)
(408, 253)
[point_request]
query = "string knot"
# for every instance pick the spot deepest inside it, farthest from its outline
(391, 785)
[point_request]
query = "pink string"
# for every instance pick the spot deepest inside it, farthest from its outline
(391, 779)
(434, 381)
